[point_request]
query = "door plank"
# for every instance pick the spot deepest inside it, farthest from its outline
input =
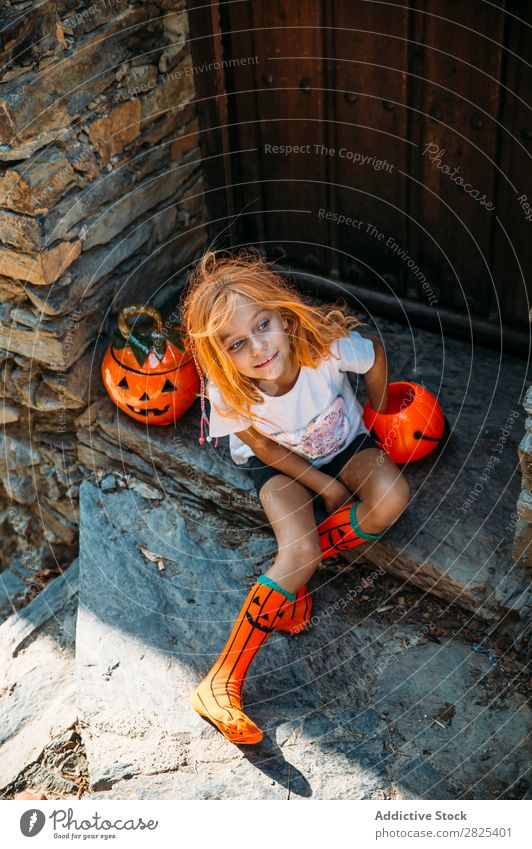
(371, 145)
(455, 101)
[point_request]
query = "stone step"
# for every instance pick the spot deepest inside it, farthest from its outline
(454, 540)
(160, 586)
(37, 693)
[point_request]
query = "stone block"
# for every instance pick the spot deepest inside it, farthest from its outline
(137, 202)
(164, 225)
(16, 455)
(19, 231)
(527, 403)
(192, 204)
(84, 71)
(174, 90)
(66, 219)
(9, 413)
(42, 269)
(12, 590)
(170, 58)
(187, 140)
(48, 401)
(116, 130)
(78, 213)
(524, 506)
(525, 459)
(30, 36)
(170, 260)
(50, 345)
(10, 290)
(522, 546)
(138, 79)
(172, 5)
(80, 21)
(20, 489)
(19, 150)
(58, 528)
(90, 280)
(36, 186)
(147, 162)
(81, 384)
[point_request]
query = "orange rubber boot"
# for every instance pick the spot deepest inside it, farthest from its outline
(340, 531)
(218, 698)
(295, 618)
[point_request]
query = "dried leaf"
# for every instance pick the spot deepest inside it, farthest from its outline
(160, 565)
(150, 555)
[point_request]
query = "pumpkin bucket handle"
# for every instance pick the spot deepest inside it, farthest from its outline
(138, 309)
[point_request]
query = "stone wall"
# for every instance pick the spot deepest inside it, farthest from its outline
(101, 204)
(523, 531)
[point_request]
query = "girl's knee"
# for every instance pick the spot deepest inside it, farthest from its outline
(302, 554)
(389, 501)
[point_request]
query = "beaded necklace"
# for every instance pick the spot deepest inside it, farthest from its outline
(203, 418)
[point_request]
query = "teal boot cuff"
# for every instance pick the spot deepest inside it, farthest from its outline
(355, 525)
(273, 586)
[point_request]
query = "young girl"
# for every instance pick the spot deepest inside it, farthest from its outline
(277, 383)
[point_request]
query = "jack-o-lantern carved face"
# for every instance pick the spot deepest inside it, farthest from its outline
(412, 426)
(159, 391)
(336, 532)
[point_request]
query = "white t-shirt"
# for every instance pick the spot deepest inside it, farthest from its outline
(317, 418)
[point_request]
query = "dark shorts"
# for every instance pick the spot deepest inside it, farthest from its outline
(260, 472)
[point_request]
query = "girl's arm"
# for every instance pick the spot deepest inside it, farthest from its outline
(288, 462)
(377, 377)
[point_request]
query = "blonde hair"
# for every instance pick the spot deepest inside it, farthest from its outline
(209, 303)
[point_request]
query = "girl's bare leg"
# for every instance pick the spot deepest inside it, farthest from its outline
(380, 486)
(289, 508)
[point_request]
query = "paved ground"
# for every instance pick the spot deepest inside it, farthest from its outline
(359, 707)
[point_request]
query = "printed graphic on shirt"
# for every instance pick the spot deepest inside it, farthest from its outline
(325, 434)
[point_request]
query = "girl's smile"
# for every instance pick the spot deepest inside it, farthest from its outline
(266, 362)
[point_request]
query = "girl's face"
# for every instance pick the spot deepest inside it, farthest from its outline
(256, 341)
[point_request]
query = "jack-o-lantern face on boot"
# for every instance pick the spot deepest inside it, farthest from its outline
(163, 385)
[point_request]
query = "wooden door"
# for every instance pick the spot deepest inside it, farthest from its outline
(384, 145)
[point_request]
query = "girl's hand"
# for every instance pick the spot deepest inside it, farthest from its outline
(335, 495)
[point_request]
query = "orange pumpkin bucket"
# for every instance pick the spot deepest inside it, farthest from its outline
(150, 373)
(413, 425)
